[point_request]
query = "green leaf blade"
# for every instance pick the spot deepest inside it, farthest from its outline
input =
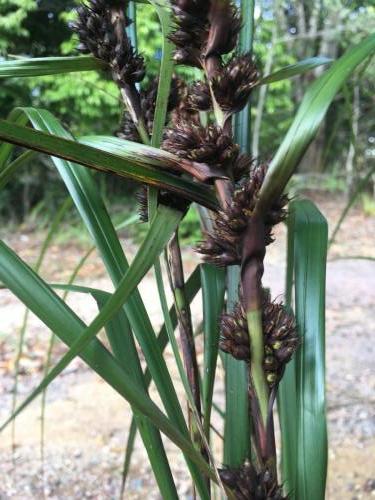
(308, 119)
(305, 434)
(213, 290)
(21, 68)
(298, 68)
(123, 347)
(98, 159)
(237, 426)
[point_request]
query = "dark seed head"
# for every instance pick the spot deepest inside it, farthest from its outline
(204, 29)
(280, 337)
(233, 84)
(191, 21)
(223, 246)
(200, 144)
(225, 24)
(248, 483)
(199, 97)
(102, 34)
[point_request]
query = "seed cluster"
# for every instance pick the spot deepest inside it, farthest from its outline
(190, 35)
(233, 84)
(225, 22)
(101, 30)
(205, 31)
(247, 483)
(280, 337)
(223, 247)
(201, 144)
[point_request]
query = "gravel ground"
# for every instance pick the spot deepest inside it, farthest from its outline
(86, 422)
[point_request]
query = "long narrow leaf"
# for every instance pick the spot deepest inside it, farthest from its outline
(295, 69)
(302, 400)
(20, 68)
(236, 425)
(19, 278)
(242, 122)
(123, 347)
(311, 235)
(6, 149)
(192, 288)
(308, 119)
(213, 289)
(287, 393)
(165, 75)
(138, 169)
(86, 197)
(236, 429)
(154, 242)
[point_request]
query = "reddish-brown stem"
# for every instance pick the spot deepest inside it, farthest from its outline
(177, 283)
(129, 92)
(184, 319)
(224, 191)
(252, 268)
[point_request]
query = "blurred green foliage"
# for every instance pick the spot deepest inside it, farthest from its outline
(89, 102)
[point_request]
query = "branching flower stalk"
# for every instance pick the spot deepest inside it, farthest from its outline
(205, 31)
(177, 282)
(258, 331)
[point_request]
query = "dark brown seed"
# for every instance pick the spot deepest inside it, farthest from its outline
(223, 246)
(280, 337)
(200, 144)
(233, 84)
(248, 483)
(98, 35)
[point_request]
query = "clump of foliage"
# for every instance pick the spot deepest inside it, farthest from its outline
(189, 142)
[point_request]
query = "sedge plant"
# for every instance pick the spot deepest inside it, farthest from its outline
(188, 142)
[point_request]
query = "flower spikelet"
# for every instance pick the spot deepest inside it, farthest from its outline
(233, 84)
(190, 35)
(247, 483)
(100, 27)
(280, 337)
(204, 29)
(225, 24)
(199, 97)
(200, 144)
(128, 130)
(223, 246)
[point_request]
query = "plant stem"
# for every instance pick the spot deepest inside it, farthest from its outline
(129, 92)
(254, 320)
(177, 282)
(184, 318)
(131, 100)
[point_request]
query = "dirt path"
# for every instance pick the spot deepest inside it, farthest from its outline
(87, 423)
